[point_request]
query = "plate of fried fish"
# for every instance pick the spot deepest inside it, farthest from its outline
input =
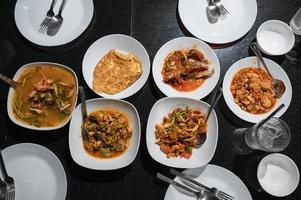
(186, 67)
(116, 66)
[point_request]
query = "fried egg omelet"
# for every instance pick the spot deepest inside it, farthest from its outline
(115, 72)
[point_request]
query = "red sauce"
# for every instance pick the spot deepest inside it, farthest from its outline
(97, 154)
(188, 85)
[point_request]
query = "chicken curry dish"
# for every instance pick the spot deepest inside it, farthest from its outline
(108, 133)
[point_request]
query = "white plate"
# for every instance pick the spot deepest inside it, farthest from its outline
(124, 44)
(186, 43)
(37, 172)
(10, 111)
(200, 156)
(239, 21)
(212, 176)
(79, 154)
(277, 73)
(29, 14)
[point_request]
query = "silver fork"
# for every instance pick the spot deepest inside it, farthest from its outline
(200, 195)
(218, 193)
(3, 190)
(8, 179)
(48, 17)
(222, 9)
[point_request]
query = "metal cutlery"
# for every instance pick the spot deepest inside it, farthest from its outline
(48, 18)
(57, 21)
(278, 85)
(222, 9)
(84, 112)
(11, 82)
(213, 12)
(8, 180)
(3, 190)
(200, 138)
(198, 186)
(200, 195)
(217, 96)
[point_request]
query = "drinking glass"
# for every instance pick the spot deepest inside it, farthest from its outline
(294, 56)
(272, 136)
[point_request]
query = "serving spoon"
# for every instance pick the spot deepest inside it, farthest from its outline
(84, 112)
(200, 138)
(12, 83)
(278, 85)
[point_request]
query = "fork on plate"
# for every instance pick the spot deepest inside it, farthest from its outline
(197, 185)
(10, 184)
(222, 9)
(200, 194)
(48, 18)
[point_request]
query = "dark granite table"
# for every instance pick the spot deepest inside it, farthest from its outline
(152, 22)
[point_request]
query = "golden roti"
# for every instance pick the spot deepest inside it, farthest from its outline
(115, 72)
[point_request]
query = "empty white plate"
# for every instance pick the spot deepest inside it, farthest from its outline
(277, 73)
(186, 43)
(29, 14)
(212, 176)
(37, 172)
(200, 156)
(79, 154)
(239, 21)
(122, 43)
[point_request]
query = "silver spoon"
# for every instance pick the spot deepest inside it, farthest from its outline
(57, 21)
(84, 112)
(212, 11)
(9, 81)
(200, 138)
(278, 85)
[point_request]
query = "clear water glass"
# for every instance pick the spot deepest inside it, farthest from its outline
(294, 56)
(273, 136)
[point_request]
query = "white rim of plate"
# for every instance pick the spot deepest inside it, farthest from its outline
(211, 167)
(252, 62)
(46, 44)
(208, 39)
(51, 154)
(125, 93)
(79, 162)
(181, 43)
(173, 163)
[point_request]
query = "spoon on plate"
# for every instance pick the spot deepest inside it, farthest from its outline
(12, 83)
(278, 85)
(84, 112)
(200, 138)
(57, 21)
(213, 12)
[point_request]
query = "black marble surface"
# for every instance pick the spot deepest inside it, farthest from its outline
(152, 22)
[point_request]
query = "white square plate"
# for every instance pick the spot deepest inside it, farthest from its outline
(200, 156)
(79, 154)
